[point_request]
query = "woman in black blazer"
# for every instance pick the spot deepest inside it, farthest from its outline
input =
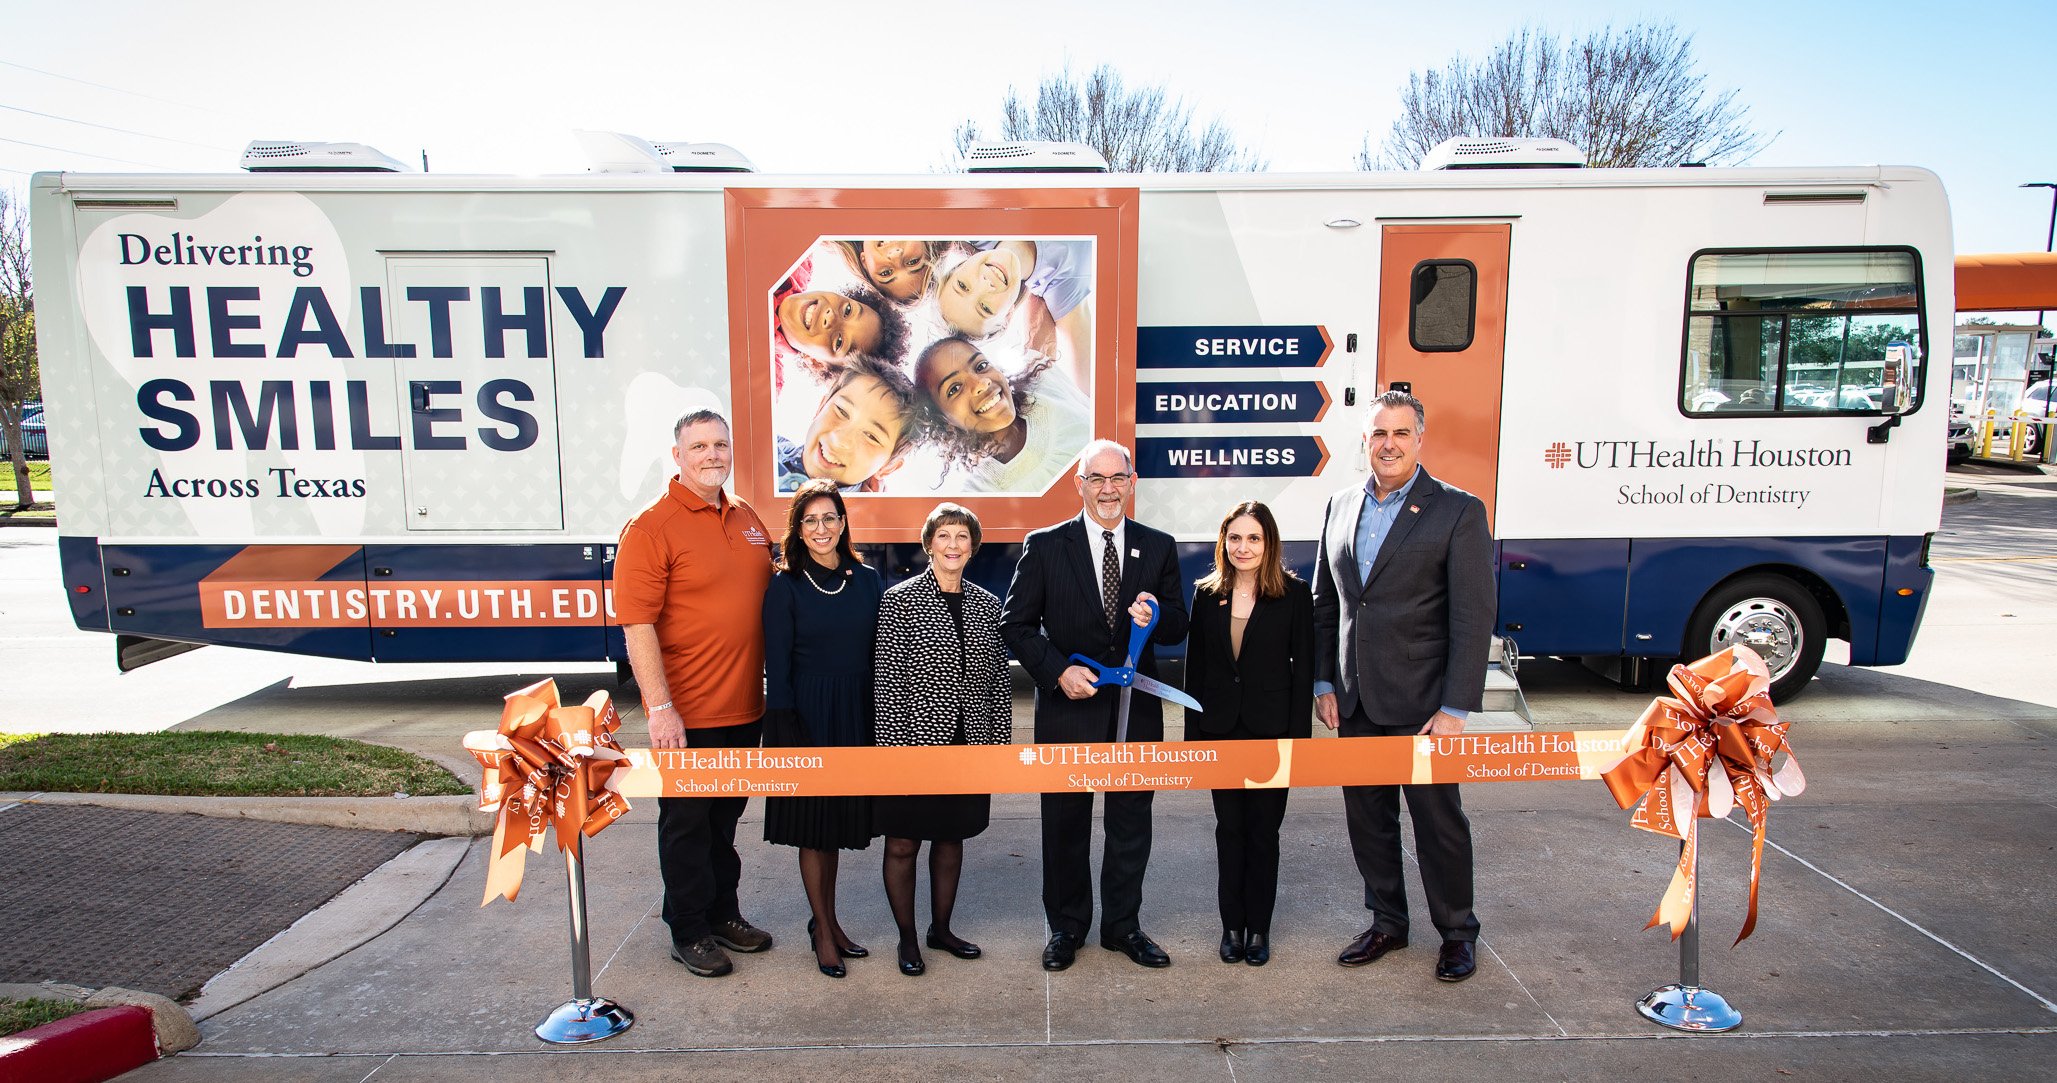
(1250, 663)
(939, 678)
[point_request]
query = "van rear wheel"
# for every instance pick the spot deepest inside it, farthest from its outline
(1769, 614)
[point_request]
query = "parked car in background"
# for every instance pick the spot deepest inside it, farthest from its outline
(1961, 441)
(2039, 401)
(35, 439)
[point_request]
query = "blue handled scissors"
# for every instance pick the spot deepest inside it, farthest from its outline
(1127, 679)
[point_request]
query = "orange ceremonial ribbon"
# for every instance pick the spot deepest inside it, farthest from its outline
(1719, 716)
(547, 766)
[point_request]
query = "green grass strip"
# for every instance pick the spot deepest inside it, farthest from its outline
(214, 763)
(20, 1015)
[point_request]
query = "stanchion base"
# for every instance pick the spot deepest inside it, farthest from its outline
(579, 1021)
(1689, 1007)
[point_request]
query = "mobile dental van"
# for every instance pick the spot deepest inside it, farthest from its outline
(402, 417)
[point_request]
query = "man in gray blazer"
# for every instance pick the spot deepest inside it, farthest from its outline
(1403, 618)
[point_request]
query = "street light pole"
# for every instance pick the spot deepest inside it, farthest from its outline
(2050, 238)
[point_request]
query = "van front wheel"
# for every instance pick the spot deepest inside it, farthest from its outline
(1771, 615)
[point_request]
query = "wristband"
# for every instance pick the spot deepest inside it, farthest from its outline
(653, 708)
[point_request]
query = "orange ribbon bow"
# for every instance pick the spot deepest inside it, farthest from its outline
(1721, 716)
(546, 766)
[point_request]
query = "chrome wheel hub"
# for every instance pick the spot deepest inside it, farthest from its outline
(1765, 625)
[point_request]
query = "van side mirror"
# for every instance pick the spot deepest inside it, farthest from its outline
(1896, 389)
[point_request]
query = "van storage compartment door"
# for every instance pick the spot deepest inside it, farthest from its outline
(1563, 596)
(478, 391)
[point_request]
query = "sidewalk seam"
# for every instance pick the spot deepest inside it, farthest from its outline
(1653, 1035)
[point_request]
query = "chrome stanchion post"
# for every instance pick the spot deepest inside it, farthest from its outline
(585, 1018)
(1684, 1005)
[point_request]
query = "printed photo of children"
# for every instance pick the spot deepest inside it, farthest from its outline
(933, 367)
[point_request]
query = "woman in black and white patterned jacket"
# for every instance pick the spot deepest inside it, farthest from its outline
(939, 677)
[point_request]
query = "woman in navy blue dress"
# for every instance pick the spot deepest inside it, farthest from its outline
(820, 613)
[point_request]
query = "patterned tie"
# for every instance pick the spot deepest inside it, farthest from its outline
(1110, 575)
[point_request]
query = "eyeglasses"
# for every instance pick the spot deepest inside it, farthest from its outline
(813, 522)
(1097, 480)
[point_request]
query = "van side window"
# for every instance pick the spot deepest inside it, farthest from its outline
(1789, 332)
(1444, 308)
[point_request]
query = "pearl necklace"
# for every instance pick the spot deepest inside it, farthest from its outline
(805, 574)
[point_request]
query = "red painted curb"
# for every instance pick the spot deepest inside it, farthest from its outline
(85, 1048)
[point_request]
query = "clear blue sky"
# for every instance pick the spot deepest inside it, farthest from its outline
(805, 86)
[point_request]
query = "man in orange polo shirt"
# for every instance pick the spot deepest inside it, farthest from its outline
(689, 579)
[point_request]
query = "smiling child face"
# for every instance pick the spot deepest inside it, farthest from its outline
(977, 294)
(828, 326)
(898, 269)
(853, 434)
(970, 390)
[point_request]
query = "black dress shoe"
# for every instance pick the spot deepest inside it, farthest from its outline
(1258, 951)
(910, 960)
(1060, 951)
(847, 951)
(955, 945)
(1456, 961)
(1368, 946)
(1232, 945)
(1140, 949)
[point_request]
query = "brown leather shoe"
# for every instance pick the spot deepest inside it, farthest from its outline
(1368, 946)
(1456, 961)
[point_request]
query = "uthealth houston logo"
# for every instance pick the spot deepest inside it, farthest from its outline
(1744, 453)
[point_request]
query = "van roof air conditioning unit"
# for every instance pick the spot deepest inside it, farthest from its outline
(288, 156)
(1472, 152)
(704, 158)
(1033, 158)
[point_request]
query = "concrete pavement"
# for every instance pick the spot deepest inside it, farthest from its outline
(1900, 934)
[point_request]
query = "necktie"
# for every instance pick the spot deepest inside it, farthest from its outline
(1110, 575)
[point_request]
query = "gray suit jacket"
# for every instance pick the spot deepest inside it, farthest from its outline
(1413, 636)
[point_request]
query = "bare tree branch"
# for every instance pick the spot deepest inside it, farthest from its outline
(1626, 96)
(1138, 130)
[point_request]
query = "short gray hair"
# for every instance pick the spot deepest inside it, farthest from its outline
(1098, 446)
(948, 514)
(1398, 398)
(695, 418)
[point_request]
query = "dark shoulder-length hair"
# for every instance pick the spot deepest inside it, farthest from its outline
(793, 545)
(1271, 574)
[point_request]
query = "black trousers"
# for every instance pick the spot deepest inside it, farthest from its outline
(696, 846)
(1246, 824)
(1442, 841)
(1068, 862)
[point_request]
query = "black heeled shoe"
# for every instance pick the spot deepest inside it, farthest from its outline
(847, 951)
(833, 970)
(1257, 951)
(955, 945)
(914, 967)
(1232, 946)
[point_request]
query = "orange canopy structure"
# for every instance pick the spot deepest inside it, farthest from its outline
(2007, 282)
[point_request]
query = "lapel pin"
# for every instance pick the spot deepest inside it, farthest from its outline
(1135, 554)
(1414, 508)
